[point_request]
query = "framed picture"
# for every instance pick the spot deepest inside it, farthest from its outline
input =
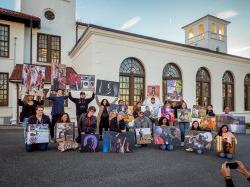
(65, 132)
(143, 135)
(236, 124)
(58, 76)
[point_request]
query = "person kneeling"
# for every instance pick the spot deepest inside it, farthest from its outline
(88, 121)
(38, 118)
(117, 123)
(163, 122)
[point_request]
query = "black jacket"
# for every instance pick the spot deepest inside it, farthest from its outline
(81, 104)
(86, 125)
(45, 120)
(117, 126)
(28, 110)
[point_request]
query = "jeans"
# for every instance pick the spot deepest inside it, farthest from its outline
(52, 125)
(39, 146)
(199, 151)
(226, 155)
(168, 147)
(183, 127)
(25, 127)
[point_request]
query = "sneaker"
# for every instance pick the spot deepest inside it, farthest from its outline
(189, 150)
(182, 144)
(52, 140)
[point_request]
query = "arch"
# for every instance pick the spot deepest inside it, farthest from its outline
(171, 71)
(228, 90)
(132, 81)
(203, 87)
(247, 91)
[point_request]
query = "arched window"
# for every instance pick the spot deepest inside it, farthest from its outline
(132, 81)
(247, 91)
(170, 72)
(228, 90)
(203, 87)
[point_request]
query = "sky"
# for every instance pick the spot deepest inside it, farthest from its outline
(164, 18)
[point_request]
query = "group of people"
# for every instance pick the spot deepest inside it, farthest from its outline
(146, 114)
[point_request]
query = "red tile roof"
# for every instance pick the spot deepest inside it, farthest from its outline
(10, 15)
(16, 75)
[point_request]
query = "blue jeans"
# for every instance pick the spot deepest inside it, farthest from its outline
(183, 127)
(39, 146)
(25, 126)
(226, 155)
(167, 147)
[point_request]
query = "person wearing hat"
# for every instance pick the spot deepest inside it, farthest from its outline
(117, 124)
(57, 109)
(81, 105)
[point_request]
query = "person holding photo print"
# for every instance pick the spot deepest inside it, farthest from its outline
(57, 109)
(28, 106)
(103, 115)
(81, 105)
(183, 125)
(228, 142)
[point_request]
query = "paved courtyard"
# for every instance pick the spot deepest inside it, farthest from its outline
(147, 166)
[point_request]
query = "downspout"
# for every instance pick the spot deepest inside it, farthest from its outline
(17, 86)
(31, 26)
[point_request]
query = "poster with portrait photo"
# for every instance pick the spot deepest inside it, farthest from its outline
(65, 132)
(174, 90)
(153, 91)
(58, 76)
(33, 78)
(184, 115)
(107, 88)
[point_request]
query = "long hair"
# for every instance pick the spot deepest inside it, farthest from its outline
(103, 102)
(198, 128)
(161, 121)
(220, 130)
(60, 119)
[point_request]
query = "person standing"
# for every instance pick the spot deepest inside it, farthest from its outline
(57, 109)
(183, 125)
(38, 118)
(81, 105)
(103, 115)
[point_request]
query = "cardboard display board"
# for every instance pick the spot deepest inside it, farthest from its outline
(33, 79)
(143, 135)
(37, 133)
(225, 145)
(167, 135)
(107, 88)
(207, 123)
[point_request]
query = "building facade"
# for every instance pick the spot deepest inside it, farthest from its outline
(209, 75)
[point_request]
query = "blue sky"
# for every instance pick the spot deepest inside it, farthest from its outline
(164, 18)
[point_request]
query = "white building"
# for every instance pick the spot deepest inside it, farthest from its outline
(208, 73)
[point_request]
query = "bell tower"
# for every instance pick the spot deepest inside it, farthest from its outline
(208, 32)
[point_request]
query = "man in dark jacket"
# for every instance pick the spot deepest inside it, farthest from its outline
(57, 109)
(39, 118)
(81, 105)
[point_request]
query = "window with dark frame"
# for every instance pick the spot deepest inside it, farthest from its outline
(203, 87)
(132, 81)
(228, 90)
(4, 40)
(48, 48)
(4, 89)
(170, 72)
(247, 92)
